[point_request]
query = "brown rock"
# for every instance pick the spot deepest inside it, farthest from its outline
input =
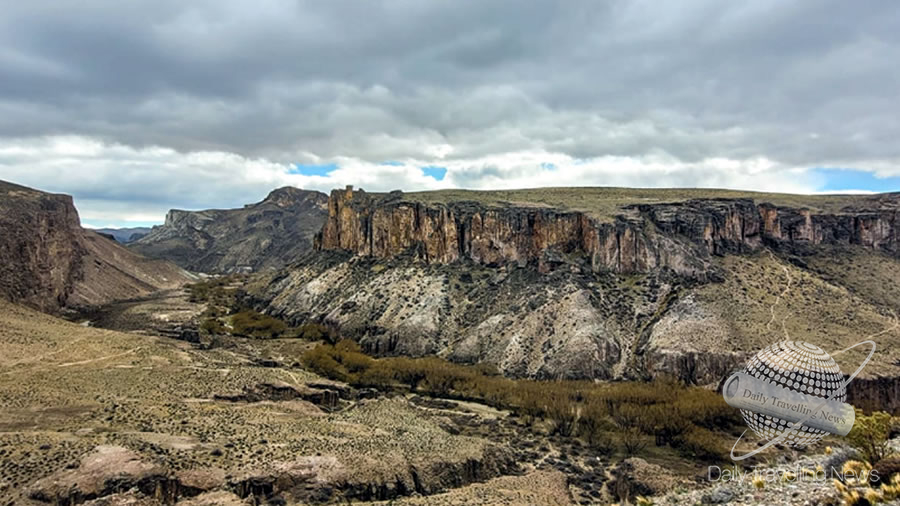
(50, 262)
(105, 471)
(387, 226)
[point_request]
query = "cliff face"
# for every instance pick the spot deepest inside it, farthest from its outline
(678, 236)
(50, 262)
(39, 245)
(386, 227)
(265, 235)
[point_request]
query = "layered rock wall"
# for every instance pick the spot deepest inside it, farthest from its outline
(39, 245)
(678, 236)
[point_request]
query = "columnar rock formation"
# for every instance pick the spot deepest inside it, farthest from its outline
(640, 238)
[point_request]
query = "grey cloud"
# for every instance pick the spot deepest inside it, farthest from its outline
(802, 83)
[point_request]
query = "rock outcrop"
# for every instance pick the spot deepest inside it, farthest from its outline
(642, 237)
(50, 262)
(267, 235)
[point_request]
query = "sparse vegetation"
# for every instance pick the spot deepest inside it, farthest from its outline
(317, 332)
(212, 326)
(226, 314)
(676, 415)
(603, 202)
(216, 291)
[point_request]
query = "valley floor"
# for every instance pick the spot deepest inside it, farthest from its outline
(94, 414)
(97, 416)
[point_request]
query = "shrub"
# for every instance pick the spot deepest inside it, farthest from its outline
(212, 326)
(856, 472)
(379, 375)
(870, 434)
(629, 412)
(318, 332)
(700, 443)
(643, 501)
(604, 445)
(630, 415)
(668, 429)
(251, 323)
(592, 422)
(321, 361)
(759, 482)
(560, 410)
(633, 441)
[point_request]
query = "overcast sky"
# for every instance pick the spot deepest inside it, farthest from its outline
(138, 107)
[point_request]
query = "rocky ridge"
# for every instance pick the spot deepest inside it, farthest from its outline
(266, 235)
(551, 291)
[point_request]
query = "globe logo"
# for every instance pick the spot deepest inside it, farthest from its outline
(792, 393)
(800, 367)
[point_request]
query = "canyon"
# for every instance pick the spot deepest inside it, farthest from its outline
(137, 399)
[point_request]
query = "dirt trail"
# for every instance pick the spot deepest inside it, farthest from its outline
(99, 359)
(787, 289)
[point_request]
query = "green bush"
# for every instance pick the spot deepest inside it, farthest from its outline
(700, 443)
(870, 435)
(251, 323)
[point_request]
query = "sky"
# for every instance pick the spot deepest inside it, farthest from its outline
(138, 107)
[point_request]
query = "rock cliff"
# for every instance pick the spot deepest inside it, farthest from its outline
(265, 235)
(680, 236)
(50, 262)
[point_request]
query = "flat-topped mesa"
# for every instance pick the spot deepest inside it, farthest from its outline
(387, 225)
(679, 236)
(737, 225)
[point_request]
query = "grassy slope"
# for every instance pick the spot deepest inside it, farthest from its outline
(604, 202)
(737, 315)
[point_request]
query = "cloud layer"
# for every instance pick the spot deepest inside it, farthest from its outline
(138, 107)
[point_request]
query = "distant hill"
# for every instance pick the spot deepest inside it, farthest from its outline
(51, 263)
(266, 235)
(125, 235)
